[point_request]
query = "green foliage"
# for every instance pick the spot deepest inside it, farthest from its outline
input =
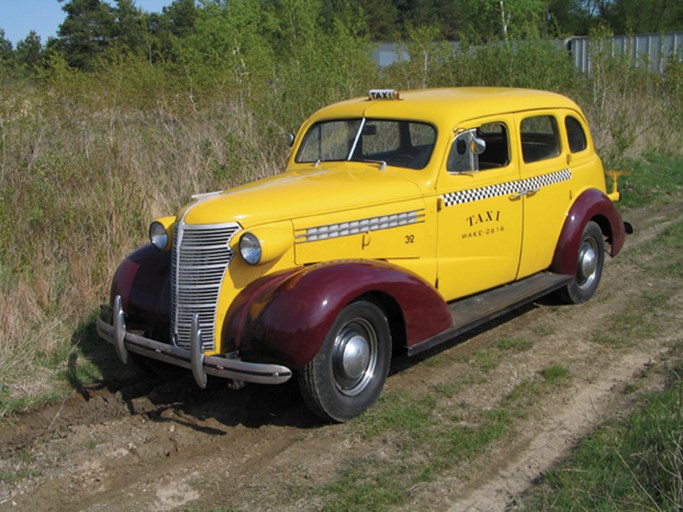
(636, 16)
(29, 53)
(526, 393)
(85, 33)
(227, 46)
(535, 64)
(515, 344)
(555, 375)
(654, 178)
(399, 411)
(320, 65)
(7, 59)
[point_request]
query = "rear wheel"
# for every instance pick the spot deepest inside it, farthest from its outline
(348, 373)
(591, 259)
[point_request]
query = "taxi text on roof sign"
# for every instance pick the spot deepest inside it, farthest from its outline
(383, 94)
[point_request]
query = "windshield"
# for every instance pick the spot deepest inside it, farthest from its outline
(399, 143)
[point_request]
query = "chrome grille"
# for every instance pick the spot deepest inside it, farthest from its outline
(201, 255)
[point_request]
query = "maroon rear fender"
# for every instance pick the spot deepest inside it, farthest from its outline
(590, 205)
(285, 317)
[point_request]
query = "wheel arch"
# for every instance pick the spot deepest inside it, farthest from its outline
(142, 280)
(605, 227)
(394, 314)
(591, 205)
(286, 317)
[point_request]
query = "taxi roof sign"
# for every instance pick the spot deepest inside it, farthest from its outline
(383, 94)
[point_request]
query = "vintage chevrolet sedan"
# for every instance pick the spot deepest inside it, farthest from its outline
(402, 220)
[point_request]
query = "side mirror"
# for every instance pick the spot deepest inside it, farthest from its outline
(477, 145)
(290, 139)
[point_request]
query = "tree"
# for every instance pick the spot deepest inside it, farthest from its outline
(176, 21)
(128, 31)
(381, 17)
(6, 55)
(521, 18)
(29, 52)
(568, 17)
(86, 32)
(642, 16)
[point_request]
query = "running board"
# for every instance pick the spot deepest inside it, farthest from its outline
(470, 313)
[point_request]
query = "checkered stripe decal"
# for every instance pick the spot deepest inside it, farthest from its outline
(355, 227)
(510, 187)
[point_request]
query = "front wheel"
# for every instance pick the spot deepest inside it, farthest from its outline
(591, 259)
(348, 373)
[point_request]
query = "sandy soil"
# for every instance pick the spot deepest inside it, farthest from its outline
(162, 444)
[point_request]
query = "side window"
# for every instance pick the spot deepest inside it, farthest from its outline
(575, 134)
(497, 153)
(540, 140)
(480, 149)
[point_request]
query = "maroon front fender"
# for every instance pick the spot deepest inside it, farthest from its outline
(590, 205)
(285, 317)
(142, 281)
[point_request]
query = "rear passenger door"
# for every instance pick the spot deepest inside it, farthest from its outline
(544, 187)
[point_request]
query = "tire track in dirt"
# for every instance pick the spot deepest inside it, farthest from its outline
(563, 427)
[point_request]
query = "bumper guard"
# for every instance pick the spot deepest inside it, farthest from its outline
(193, 359)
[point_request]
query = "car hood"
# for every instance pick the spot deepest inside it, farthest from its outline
(297, 194)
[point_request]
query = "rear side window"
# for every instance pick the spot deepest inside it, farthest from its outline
(540, 139)
(575, 134)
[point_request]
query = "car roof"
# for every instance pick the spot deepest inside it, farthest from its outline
(448, 104)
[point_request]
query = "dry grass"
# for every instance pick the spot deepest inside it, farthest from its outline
(81, 177)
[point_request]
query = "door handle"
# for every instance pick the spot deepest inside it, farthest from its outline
(518, 195)
(527, 192)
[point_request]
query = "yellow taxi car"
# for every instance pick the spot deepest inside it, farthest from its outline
(402, 220)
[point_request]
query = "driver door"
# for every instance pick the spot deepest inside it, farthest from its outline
(479, 215)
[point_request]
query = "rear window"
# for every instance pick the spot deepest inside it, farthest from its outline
(575, 134)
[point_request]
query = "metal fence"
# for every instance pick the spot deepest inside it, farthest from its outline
(652, 50)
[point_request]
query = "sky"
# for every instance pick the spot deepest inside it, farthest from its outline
(19, 17)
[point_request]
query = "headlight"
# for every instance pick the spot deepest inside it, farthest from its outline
(158, 235)
(250, 248)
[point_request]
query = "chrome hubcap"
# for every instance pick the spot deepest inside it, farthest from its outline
(354, 358)
(588, 263)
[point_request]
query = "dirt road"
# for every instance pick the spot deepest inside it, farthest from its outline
(162, 444)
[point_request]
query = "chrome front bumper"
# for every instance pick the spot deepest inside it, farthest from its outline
(194, 359)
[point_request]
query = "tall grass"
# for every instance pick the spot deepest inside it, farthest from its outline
(88, 159)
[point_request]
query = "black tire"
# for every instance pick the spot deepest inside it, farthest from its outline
(590, 261)
(348, 373)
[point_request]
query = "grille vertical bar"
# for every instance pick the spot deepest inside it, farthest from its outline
(201, 255)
